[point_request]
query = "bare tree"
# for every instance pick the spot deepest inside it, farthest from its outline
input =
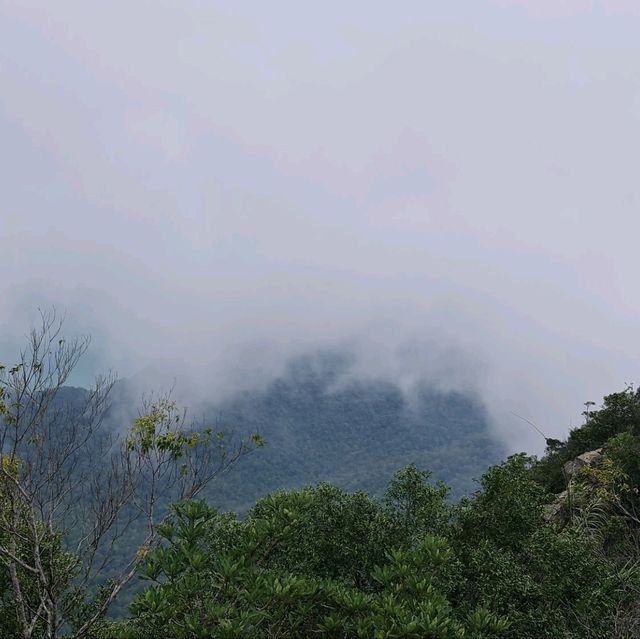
(71, 487)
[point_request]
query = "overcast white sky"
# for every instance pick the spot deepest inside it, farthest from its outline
(452, 187)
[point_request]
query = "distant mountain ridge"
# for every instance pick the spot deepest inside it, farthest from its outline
(321, 422)
(324, 423)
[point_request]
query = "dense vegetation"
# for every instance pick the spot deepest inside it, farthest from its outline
(323, 562)
(501, 563)
(619, 416)
(320, 424)
(543, 548)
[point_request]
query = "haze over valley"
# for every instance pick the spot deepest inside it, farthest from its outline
(212, 192)
(319, 319)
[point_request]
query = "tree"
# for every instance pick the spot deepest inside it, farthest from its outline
(549, 581)
(71, 487)
(620, 413)
(293, 569)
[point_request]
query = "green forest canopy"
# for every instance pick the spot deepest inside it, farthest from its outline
(544, 548)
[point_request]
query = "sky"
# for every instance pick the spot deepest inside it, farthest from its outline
(448, 189)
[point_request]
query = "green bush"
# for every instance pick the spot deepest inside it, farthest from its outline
(322, 562)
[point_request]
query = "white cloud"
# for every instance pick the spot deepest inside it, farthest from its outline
(189, 180)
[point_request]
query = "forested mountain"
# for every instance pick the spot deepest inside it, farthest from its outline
(319, 427)
(512, 561)
(321, 424)
(542, 548)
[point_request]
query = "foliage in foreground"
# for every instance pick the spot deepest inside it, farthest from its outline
(318, 562)
(71, 489)
(322, 562)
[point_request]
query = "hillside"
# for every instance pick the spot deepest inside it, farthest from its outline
(320, 425)
(542, 548)
(513, 561)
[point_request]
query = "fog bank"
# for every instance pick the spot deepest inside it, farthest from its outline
(447, 190)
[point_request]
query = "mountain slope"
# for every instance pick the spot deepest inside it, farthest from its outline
(321, 425)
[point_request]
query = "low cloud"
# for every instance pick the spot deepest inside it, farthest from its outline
(449, 192)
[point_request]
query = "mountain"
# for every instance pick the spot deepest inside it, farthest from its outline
(322, 424)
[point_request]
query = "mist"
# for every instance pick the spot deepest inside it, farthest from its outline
(447, 190)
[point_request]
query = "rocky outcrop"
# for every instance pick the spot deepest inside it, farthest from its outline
(558, 511)
(590, 458)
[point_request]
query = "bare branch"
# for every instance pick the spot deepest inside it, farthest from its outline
(71, 482)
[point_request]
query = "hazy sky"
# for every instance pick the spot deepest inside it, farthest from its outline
(451, 188)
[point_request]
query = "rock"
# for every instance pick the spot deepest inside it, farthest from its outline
(558, 511)
(590, 458)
